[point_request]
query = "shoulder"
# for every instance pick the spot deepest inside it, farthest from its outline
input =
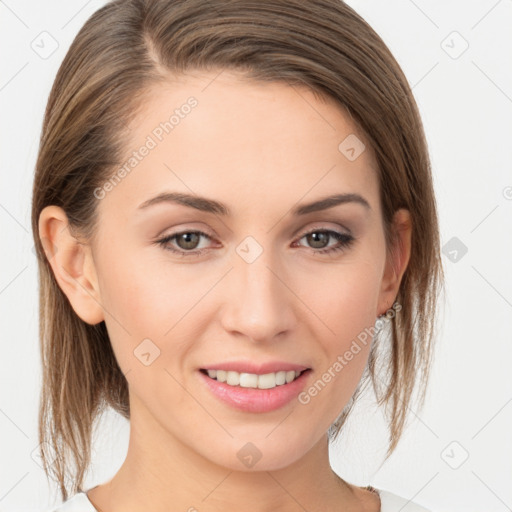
(78, 503)
(389, 503)
(393, 503)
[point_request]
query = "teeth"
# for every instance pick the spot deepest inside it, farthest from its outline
(252, 380)
(233, 378)
(248, 380)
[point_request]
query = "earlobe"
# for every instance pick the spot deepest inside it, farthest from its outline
(72, 264)
(397, 259)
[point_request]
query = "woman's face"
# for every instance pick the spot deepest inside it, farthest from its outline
(267, 278)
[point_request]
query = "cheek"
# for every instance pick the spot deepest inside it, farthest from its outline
(139, 291)
(151, 300)
(346, 305)
(344, 298)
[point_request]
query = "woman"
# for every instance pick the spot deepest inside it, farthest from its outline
(237, 230)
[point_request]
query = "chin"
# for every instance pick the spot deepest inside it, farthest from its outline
(262, 452)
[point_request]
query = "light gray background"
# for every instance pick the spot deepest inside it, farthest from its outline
(466, 104)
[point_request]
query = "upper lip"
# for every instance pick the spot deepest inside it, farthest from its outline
(257, 368)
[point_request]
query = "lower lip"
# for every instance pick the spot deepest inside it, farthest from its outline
(256, 400)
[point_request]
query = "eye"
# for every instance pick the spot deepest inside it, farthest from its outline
(187, 242)
(319, 238)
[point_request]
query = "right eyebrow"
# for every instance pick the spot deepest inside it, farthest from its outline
(197, 202)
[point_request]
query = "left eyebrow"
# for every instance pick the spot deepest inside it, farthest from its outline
(329, 202)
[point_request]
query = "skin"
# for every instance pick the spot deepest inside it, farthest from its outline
(260, 149)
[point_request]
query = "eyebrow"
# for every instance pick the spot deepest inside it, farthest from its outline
(211, 206)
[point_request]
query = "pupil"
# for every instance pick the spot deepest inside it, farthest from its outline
(190, 240)
(314, 238)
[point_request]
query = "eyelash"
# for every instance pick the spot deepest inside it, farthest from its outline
(344, 241)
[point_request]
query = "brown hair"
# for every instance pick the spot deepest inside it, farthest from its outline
(128, 45)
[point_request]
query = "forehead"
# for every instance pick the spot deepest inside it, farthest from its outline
(241, 142)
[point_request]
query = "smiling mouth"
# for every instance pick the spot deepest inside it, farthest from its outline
(253, 380)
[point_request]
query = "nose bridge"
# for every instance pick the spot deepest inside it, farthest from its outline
(259, 304)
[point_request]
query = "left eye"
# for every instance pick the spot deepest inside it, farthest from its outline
(320, 236)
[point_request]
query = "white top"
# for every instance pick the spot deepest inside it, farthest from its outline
(389, 503)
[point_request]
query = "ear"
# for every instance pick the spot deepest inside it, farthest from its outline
(396, 260)
(72, 264)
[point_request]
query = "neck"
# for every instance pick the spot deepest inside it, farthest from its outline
(159, 471)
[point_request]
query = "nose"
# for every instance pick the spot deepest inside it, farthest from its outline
(259, 303)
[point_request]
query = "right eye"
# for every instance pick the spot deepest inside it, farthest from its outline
(187, 241)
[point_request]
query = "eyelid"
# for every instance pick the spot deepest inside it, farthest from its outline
(322, 226)
(317, 226)
(186, 229)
